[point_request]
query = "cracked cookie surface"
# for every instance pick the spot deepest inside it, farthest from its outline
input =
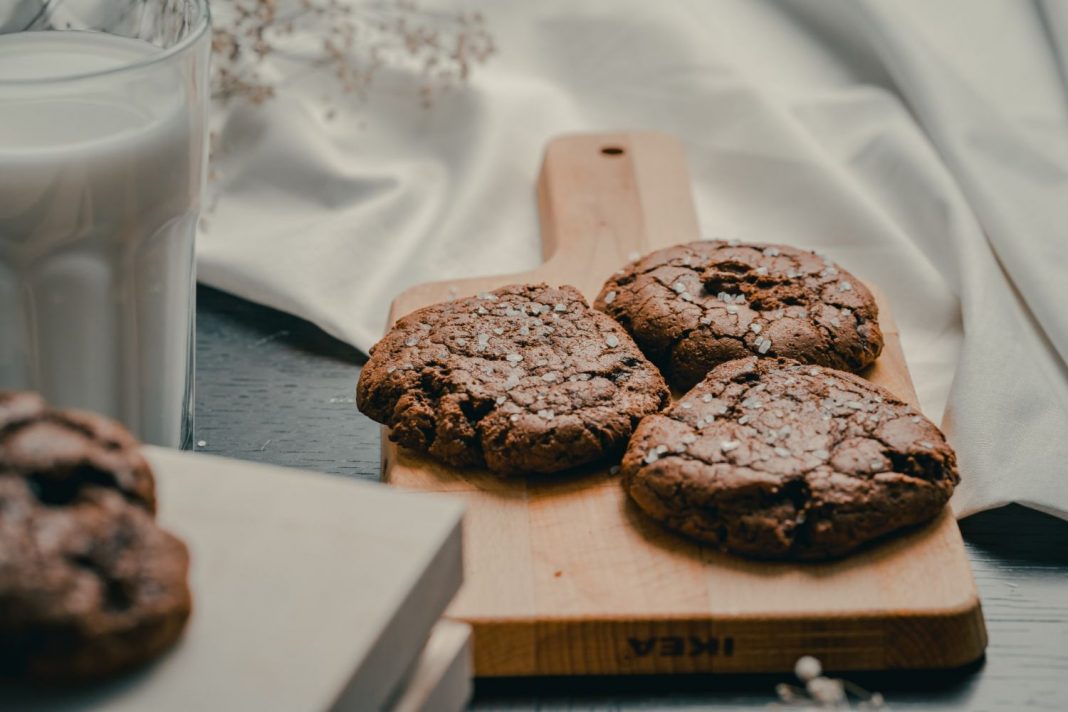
(524, 379)
(693, 306)
(90, 585)
(772, 458)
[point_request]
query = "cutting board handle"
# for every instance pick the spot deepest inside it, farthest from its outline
(601, 198)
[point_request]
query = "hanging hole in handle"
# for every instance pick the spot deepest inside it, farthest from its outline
(612, 151)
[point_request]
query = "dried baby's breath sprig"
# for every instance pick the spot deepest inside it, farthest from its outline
(821, 692)
(354, 40)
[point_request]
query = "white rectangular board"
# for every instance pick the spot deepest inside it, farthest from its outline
(310, 591)
(441, 678)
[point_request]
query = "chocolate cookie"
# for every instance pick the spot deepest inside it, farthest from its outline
(771, 458)
(89, 584)
(691, 307)
(64, 449)
(524, 379)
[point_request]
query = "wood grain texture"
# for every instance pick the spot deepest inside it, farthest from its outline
(1019, 556)
(566, 577)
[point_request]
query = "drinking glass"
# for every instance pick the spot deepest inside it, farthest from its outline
(103, 153)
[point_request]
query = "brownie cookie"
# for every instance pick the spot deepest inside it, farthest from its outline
(691, 307)
(90, 585)
(772, 458)
(524, 379)
(63, 449)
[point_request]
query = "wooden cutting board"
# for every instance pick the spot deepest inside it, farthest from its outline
(565, 577)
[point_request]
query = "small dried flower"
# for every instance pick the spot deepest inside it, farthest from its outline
(820, 692)
(807, 668)
(355, 41)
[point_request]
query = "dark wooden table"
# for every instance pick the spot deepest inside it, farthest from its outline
(274, 388)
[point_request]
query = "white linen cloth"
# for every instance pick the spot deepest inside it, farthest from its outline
(922, 144)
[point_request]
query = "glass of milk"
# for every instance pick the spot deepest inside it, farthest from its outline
(103, 147)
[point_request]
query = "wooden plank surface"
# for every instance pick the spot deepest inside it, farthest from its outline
(302, 384)
(566, 577)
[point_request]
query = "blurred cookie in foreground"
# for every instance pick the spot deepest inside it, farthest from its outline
(90, 585)
(771, 458)
(63, 449)
(524, 379)
(691, 307)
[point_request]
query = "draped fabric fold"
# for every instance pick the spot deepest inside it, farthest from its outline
(923, 145)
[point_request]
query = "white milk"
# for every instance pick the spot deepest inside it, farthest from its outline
(99, 193)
